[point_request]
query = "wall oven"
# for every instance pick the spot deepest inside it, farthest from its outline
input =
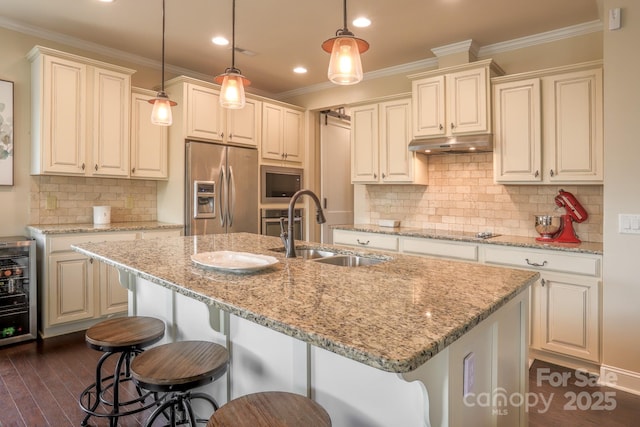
(278, 184)
(18, 289)
(271, 222)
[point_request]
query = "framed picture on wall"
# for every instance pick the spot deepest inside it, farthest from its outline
(6, 132)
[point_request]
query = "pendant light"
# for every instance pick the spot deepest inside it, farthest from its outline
(161, 113)
(232, 80)
(345, 67)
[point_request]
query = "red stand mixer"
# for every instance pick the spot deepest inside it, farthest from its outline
(574, 212)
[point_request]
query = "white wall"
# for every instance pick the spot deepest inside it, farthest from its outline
(621, 287)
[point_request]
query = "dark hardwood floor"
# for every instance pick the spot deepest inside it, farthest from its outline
(40, 382)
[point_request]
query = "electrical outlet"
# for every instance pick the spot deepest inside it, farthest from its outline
(52, 202)
(128, 204)
(614, 19)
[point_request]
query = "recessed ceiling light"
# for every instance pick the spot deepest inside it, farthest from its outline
(106, 1)
(361, 22)
(300, 70)
(220, 41)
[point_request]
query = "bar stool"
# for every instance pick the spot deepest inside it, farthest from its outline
(175, 369)
(126, 337)
(271, 409)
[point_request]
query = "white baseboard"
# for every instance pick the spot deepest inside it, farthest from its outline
(620, 379)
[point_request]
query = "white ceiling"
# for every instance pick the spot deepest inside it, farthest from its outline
(285, 33)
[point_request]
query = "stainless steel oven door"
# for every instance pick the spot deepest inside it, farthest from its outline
(271, 227)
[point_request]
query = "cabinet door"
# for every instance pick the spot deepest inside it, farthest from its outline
(149, 146)
(396, 161)
(243, 125)
(517, 137)
(114, 298)
(364, 144)
(272, 131)
(71, 294)
(467, 97)
(63, 128)
(428, 107)
(111, 103)
(293, 136)
(204, 114)
(569, 316)
(573, 126)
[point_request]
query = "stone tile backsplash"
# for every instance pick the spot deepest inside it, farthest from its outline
(68, 200)
(461, 196)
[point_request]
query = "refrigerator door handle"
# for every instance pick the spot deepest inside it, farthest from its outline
(231, 196)
(223, 197)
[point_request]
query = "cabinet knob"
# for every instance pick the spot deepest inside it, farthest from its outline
(384, 176)
(133, 170)
(452, 125)
(221, 134)
(375, 176)
(83, 166)
(96, 167)
(286, 155)
(441, 127)
(536, 174)
(230, 136)
(551, 172)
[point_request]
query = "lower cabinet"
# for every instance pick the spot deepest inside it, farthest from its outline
(75, 291)
(565, 313)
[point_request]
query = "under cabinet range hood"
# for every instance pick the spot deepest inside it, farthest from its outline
(453, 144)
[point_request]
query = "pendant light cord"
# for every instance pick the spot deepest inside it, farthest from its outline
(233, 35)
(163, 19)
(345, 15)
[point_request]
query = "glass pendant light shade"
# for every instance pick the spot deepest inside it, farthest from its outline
(161, 113)
(232, 89)
(345, 67)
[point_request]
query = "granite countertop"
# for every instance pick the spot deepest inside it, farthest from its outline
(94, 228)
(504, 240)
(394, 316)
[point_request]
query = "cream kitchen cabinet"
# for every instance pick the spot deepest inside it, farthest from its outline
(80, 115)
(380, 135)
(364, 239)
(207, 120)
(453, 101)
(282, 134)
(149, 142)
(75, 291)
(549, 126)
(565, 303)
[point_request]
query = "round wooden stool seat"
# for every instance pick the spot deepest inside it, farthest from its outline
(271, 409)
(125, 337)
(125, 333)
(175, 369)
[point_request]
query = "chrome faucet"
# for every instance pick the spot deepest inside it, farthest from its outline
(287, 236)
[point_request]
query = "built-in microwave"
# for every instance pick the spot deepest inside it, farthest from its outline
(279, 183)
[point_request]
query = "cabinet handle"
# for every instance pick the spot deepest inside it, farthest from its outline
(133, 170)
(384, 176)
(551, 172)
(535, 264)
(362, 243)
(536, 174)
(230, 136)
(96, 167)
(83, 166)
(221, 134)
(441, 127)
(91, 260)
(286, 155)
(375, 176)
(543, 282)
(452, 125)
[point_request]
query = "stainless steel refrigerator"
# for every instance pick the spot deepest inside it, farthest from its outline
(222, 189)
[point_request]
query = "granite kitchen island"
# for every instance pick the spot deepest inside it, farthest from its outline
(410, 341)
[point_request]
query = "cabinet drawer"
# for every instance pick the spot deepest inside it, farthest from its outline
(439, 248)
(365, 240)
(156, 234)
(542, 260)
(63, 243)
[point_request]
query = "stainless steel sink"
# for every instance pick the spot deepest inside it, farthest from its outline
(349, 260)
(309, 253)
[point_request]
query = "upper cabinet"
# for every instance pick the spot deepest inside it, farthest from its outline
(282, 134)
(80, 115)
(453, 101)
(380, 136)
(148, 142)
(207, 120)
(548, 126)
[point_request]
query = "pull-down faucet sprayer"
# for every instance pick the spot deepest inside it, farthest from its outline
(287, 236)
